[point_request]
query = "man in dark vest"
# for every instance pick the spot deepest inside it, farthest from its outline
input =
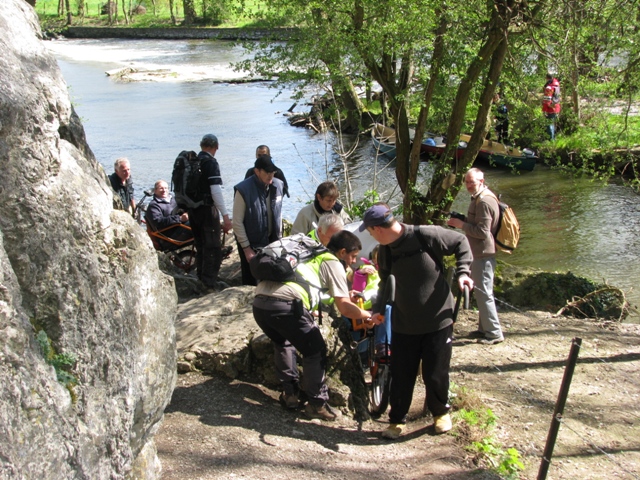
(257, 213)
(264, 150)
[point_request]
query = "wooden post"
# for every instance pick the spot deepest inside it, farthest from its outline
(559, 410)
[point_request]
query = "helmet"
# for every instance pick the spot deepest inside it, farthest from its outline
(502, 109)
(548, 90)
(430, 141)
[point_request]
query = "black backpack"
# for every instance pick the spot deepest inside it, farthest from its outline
(278, 261)
(186, 181)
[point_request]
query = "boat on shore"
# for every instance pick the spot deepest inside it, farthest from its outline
(492, 152)
(496, 153)
(384, 139)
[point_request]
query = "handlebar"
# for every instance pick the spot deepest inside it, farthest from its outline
(463, 294)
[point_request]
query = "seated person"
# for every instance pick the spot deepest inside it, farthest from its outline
(326, 201)
(162, 213)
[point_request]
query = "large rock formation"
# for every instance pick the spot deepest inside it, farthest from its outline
(75, 276)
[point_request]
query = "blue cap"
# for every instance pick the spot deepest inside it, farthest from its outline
(374, 216)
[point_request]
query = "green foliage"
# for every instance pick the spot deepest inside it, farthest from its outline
(507, 463)
(63, 363)
(474, 423)
(358, 208)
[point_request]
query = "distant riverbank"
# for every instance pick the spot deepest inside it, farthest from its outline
(180, 33)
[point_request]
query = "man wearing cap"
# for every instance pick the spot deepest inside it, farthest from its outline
(257, 213)
(264, 150)
(205, 219)
(422, 314)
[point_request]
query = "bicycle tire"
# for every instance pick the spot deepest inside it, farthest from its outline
(380, 387)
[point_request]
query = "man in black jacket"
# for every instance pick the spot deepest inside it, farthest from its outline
(422, 314)
(205, 219)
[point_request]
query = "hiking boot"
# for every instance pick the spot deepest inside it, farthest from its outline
(323, 412)
(442, 423)
(289, 401)
(393, 431)
(491, 341)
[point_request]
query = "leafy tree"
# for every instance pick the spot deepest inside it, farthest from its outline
(419, 52)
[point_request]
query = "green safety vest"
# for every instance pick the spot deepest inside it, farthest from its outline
(310, 292)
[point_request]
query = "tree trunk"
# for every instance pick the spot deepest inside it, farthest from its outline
(68, 9)
(171, 12)
(413, 213)
(189, 12)
(124, 12)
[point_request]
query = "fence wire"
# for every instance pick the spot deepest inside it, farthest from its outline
(535, 403)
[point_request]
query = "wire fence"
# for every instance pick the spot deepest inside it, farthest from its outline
(618, 466)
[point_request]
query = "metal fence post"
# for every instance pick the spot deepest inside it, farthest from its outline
(560, 403)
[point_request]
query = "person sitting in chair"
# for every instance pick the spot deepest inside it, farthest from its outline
(162, 214)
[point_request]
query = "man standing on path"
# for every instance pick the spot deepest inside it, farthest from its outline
(479, 225)
(422, 314)
(257, 213)
(205, 219)
(122, 184)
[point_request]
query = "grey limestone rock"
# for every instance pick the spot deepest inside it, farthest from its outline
(78, 271)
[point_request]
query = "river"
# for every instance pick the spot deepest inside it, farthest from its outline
(567, 223)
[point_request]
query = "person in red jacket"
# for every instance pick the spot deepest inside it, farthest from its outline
(551, 104)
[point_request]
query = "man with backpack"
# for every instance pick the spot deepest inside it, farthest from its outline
(205, 218)
(257, 213)
(422, 313)
(283, 310)
(480, 226)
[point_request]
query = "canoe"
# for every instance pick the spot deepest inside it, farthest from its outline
(496, 153)
(384, 139)
(434, 146)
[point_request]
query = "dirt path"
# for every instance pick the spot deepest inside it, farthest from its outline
(217, 429)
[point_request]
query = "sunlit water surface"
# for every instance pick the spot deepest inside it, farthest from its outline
(567, 224)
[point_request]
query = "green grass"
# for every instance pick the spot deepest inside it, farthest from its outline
(235, 13)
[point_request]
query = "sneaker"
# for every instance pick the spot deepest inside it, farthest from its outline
(476, 334)
(289, 401)
(442, 423)
(226, 252)
(393, 431)
(323, 412)
(491, 341)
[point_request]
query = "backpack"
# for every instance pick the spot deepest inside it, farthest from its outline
(278, 261)
(186, 180)
(508, 233)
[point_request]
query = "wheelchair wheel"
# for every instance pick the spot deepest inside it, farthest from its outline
(380, 386)
(185, 260)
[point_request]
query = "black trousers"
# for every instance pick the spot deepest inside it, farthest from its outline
(205, 225)
(434, 349)
(247, 278)
(290, 332)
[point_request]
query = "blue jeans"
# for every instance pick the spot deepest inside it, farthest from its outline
(551, 125)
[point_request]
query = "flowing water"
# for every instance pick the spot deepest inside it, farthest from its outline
(567, 223)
